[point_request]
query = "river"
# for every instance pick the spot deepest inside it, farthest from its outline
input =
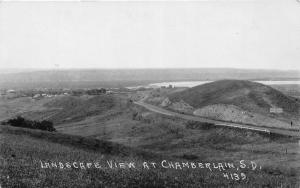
(195, 83)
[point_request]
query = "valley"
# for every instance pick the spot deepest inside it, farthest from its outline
(120, 126)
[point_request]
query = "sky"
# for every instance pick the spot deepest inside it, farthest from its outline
(256, 34)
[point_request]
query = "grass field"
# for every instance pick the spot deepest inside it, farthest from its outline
(22, 150)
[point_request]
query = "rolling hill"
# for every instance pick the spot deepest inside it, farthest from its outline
(248, 95)
(97, 132)
(248, 102)
(23, 150)
(72, 109)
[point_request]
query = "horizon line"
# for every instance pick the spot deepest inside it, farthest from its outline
(142, 68)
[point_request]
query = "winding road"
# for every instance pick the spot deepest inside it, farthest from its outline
(267, 130)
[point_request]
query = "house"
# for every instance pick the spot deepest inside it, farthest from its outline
(276, 110)
(11, 91)
(36, 96)
(166, 102)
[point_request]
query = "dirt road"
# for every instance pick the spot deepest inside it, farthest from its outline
(268, 130)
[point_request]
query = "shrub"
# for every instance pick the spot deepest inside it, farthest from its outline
(189, 156)
(22, 122)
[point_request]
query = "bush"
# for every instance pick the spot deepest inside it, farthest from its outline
(22, 122)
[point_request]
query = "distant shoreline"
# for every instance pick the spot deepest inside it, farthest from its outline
(195, 83)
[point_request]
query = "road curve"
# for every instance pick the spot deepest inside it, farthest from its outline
(160, 110)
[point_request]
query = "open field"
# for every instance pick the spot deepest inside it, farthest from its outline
(23, 150)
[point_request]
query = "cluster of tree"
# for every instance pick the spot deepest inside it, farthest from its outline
(96, 91)
(79, 92)
(22, 122)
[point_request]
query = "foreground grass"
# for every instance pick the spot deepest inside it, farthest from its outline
(22, 150)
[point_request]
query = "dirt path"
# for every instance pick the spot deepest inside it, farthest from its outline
(216, 122)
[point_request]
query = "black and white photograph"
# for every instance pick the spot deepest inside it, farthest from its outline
(149, 93)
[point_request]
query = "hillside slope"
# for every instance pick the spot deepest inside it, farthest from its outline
(23, 150)
(250, 96)
(73, 108)
(240, 101)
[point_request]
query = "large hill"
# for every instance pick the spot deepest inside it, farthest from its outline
(238, 95)
(248, 95)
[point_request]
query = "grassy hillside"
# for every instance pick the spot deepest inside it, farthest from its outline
(12, 107)
(251, 96)
(72, 109)
(22, 150)
(289, 89)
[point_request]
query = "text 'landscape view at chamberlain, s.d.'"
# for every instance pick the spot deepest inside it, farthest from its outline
(150, 94)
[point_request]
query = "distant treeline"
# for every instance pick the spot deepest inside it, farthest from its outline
(22, 122)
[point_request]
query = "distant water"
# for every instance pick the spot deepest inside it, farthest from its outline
(195, 83)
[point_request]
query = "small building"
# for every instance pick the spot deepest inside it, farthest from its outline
(36, 96)
(166, 102)
(276, 110)
(11, 91)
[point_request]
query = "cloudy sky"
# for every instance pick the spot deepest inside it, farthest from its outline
(238, 34)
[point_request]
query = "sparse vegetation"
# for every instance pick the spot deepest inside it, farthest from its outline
(232, 136)
(22, 151)
(72, 109)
